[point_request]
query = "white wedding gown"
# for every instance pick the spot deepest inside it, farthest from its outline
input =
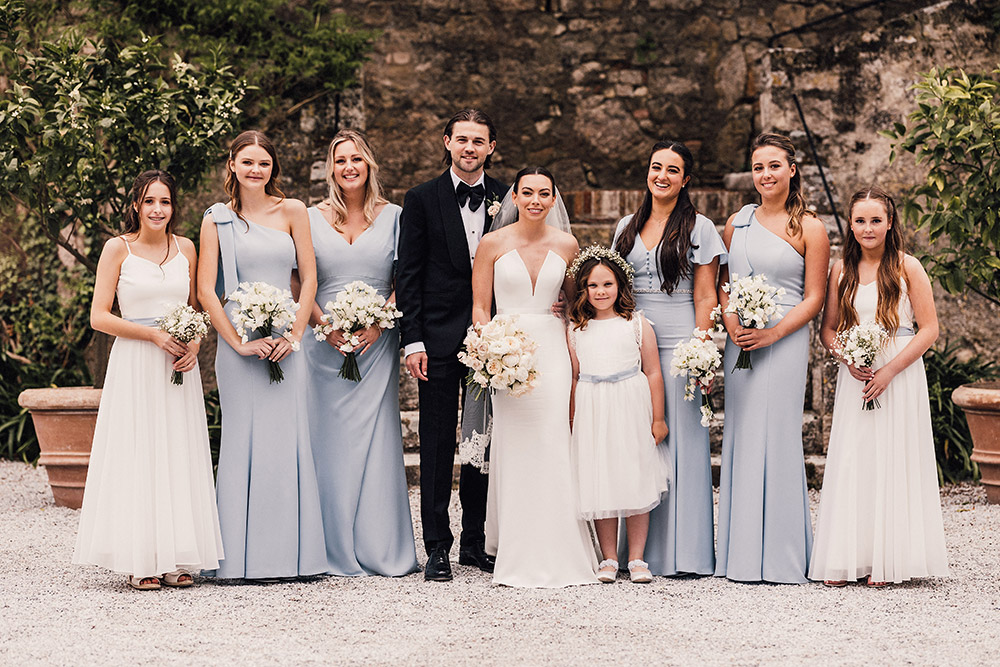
(532, 520)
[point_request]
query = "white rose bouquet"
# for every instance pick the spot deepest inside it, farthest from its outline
(356, 307)
(500, 356)
(754, 301)
(185, 324)
(265, 309)
(858, 347)
(698, 359)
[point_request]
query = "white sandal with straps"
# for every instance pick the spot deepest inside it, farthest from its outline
(604, 575)
(638, 572)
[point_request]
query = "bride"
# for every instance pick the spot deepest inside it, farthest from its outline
(532, 524)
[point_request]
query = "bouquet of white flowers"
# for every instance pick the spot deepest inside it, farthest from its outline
(500, 356)
(754, 301)
(859, 345)
(356, 307)
(185, 324)
(265, 309)
(698, 359)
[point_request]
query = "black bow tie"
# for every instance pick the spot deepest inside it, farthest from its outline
(474, 195)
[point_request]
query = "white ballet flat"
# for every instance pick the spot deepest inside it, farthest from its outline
(638, 572)
(607, 577)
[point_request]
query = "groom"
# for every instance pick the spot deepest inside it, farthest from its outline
(441, 225)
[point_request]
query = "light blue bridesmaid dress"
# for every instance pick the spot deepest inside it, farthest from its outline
(356, 434)
(681, 538)
(269, 507)
(765, 532)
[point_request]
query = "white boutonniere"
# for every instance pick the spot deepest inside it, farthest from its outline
(493, 207)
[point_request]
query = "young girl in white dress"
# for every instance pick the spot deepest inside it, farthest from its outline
(617, 409)
(880, 513)
(149, 502)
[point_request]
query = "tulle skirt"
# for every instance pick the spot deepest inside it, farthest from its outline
(880, 513)
(149, 503)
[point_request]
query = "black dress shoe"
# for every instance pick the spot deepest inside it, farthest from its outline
(477, 557)
(438, 568)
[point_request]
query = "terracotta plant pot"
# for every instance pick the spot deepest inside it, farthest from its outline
(981, 403)
(64, 421)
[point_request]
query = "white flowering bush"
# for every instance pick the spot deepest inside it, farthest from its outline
(185, 324)
(267, 310)
(755, 302)
(356, 307)
(697, 359)
(500, 356)
(858, 347)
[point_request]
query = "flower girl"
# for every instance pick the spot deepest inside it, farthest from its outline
(880, 514)
(149, 502)
(616, 413)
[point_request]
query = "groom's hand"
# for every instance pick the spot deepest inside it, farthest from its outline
(416, 365)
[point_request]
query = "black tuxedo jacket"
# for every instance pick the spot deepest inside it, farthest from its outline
(433, 274)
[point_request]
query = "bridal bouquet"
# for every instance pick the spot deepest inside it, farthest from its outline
(265, 309)
(185, 324)
(356, 307)
(754, 301)
(698, 359)
(500, 356)
(859, 345)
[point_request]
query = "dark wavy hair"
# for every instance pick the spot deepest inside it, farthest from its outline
(672, 260)
(890, 269)
(581, 312)
(472, 116)
(795, 204)
(232, 185)
(131, 224)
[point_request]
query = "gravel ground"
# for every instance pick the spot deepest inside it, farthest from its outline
(52, 612)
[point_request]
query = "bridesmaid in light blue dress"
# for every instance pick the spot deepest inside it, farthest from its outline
(356, 434)
(676, 296)
(765, 532)
(269, 507)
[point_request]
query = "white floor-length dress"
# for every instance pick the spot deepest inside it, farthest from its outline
(532, 523)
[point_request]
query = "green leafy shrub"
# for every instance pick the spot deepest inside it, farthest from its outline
(952, 441)
(955, 132)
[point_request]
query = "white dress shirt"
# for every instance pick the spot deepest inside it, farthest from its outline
(474, 223)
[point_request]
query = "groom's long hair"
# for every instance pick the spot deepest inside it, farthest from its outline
(472, 116)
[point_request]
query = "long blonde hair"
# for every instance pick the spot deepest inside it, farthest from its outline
(795, 204)
(890, 268)
(373, 189)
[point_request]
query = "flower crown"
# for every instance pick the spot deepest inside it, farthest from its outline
(600, 252)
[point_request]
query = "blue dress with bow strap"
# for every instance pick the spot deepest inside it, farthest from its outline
(269, 507)
(764, 531)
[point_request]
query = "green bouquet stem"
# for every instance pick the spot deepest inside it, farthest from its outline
(274, 372)
(743, 361)
(350, 370)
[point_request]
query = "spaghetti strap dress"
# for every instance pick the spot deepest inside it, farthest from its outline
(148, 504)
(879, 511)
(269, 505)
(764, 532)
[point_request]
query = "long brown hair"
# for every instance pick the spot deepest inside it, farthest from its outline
(581, 312)
(131, 224)
(890, 268)
(373, 188)
(232, 185)
(675, 243)
(795, 204)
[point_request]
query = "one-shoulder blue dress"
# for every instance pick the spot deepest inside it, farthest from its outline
(356, 435)
(681, 538)
(764, 531)
(269, 508)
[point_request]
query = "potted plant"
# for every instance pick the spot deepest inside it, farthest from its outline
(955, 132)
(79, 119)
